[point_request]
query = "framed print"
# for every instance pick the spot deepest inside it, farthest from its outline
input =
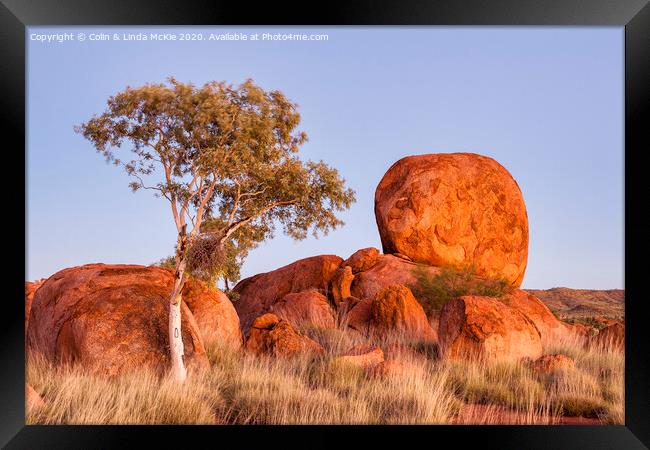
(368, 218)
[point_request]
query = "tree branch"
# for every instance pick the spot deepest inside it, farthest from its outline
(172, 196)
(235, 205)
(201, 208)
(240, 223)
(142, 185)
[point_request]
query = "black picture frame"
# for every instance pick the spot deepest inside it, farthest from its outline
(634, 15)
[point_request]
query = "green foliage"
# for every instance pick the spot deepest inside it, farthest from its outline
(581, 405)
(225, 157)
(589, 321)
(232, 295)
(451, 282)
(166, 263)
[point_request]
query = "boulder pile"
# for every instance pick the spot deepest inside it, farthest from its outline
(432, 211)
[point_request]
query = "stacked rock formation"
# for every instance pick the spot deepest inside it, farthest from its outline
(436, 210)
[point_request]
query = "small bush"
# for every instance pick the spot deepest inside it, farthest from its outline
(589, 321)
(435, 291)
(166, 263)
(232, 295)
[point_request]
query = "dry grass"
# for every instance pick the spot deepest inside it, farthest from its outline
(243, 389)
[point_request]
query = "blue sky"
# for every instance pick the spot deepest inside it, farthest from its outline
(546, 102)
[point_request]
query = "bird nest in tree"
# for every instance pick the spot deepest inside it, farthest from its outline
(205, 256)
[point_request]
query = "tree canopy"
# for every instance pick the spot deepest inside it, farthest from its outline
(225, 157)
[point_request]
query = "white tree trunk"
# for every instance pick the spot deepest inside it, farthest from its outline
(176, 340)
(175, 333)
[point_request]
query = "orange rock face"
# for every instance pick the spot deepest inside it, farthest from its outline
(391, 368)
(387, 271)
(114, 318)
(363, 356)
(30, 290)
(612, 336)
(305, 308)
(273, 336)
(549, 326)
(214, 313)
(484, 327)
(550, 363)
(258, 293)
(395, 311)
(357, 315)
(581, 330)
(454, 209)
(341, 283)
(363, 259)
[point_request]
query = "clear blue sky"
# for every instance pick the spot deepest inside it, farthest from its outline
(545, 102)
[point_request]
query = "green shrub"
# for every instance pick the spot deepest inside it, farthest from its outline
(589, 321)
(232, 295)
(451, 282)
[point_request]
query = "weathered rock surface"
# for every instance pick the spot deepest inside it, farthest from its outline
(612, 336)
(484, 327)
(387, 271)
(550, 363)
(395, 311)
(549, 326)
(111, 319)
(581, 330)
(341, 283)
(362, 260)
(363, 356)
(258, 293)
(271, 335)
(391, 368)
(30, 290)
(454, 209)
(214, 313)
(309, 308)
(356, 314)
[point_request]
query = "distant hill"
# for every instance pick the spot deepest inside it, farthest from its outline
(576, 303)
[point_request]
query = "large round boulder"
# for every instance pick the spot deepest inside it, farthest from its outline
(395, 311)
(270, 335)
(215, 314)
(483, 327)
(258, 293)
(114, 318)
(455, 209)
(307, 308)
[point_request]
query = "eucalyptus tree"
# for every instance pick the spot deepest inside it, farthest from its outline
(221, 155)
